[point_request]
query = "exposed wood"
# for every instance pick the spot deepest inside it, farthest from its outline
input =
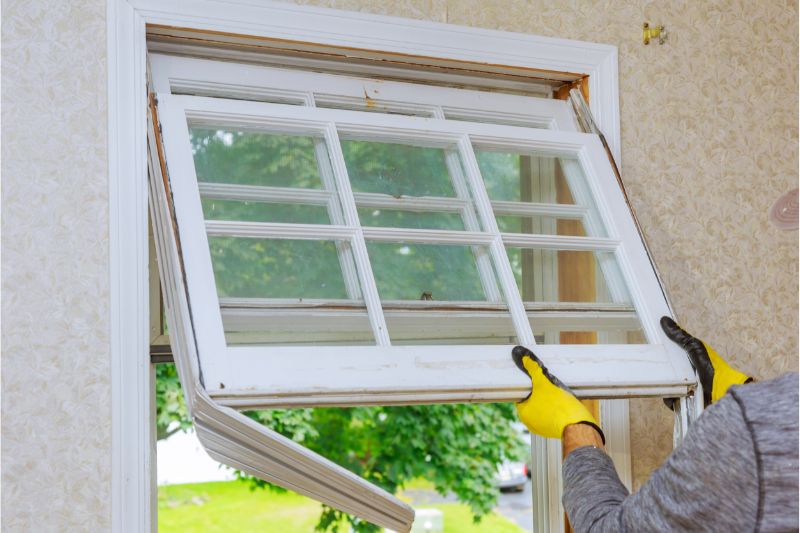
(219, 39)
(562, 92)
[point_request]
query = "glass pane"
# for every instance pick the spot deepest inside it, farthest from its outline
(567, 276)
(223, 155)
(397, 169)
(631, 334)
(334, 324)
(434, 294)
(520, 177)
(302, 292)
(214, 209)
(392, 218)
(540, 225)
(450, 326)
(276, 268)
(430, 272)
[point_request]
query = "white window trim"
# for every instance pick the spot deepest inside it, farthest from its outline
(133, 490)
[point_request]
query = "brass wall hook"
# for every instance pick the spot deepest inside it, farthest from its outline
(656, 32)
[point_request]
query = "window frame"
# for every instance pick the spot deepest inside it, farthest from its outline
(133, 449)
(421, 373)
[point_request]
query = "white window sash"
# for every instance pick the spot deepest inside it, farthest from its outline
(281, 376)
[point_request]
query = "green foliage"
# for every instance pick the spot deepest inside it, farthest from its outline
(269, 268)
(171, 414)
(456, 447)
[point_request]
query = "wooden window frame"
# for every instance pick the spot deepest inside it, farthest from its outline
(248, 376)
(133, 489)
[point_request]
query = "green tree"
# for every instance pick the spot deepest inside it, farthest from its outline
(456, 447)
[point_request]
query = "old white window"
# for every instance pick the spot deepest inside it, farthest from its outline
(339, 239)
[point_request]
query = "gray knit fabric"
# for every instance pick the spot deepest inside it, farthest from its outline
(737, 470)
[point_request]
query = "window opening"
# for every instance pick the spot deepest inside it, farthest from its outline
(393, 250)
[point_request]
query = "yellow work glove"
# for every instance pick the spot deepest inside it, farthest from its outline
(551, 406)
(716, 376)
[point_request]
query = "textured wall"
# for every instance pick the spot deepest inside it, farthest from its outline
(709, 141)
(56, 422)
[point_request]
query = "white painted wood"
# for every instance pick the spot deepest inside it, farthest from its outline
(546, 485)
(131, 430)
(281, 230)
(412, 203)
(615, 421)
(417, 374)
(183, 75)
(194, 248)
(253, 193)
(361, 63)
(278, 230)
(565, 211)
(559, 242)
(422, 131)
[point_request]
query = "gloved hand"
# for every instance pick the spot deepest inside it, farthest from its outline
(551, 406)
(716, 376)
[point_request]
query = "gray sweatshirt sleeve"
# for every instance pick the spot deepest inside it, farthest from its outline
(708, 484)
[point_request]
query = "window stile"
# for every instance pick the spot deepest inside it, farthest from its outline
(497, 249)
(207, 325)
(360, 255)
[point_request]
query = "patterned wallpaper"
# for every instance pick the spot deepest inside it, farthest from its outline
(56, 422)
(709, 140)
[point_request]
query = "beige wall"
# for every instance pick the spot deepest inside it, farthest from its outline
(709, 140)
(56, 416)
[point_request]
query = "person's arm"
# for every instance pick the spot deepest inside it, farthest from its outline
(715, 464)
(580, 435)
(710, 483)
